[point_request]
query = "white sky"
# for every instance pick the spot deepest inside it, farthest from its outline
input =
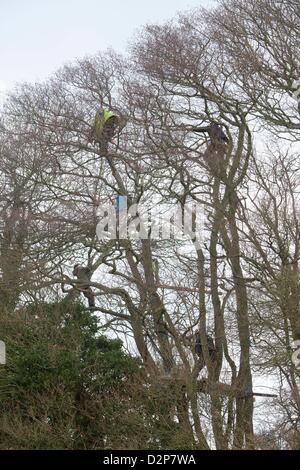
(39, 36)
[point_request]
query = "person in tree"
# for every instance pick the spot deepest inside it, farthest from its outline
(84, 274)
(215, 132)
(104, 127)
(215, 152)
(211, 348)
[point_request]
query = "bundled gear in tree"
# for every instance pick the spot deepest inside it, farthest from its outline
(104, 127)
(84, 275)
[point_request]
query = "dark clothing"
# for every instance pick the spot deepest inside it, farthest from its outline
(110, 127)
(215, 133)
(88, 294)
(210, 345)
(84, 274)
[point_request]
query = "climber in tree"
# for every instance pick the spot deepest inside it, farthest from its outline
(104, 127)
(215, 133)
(84, 275)
(211, 348)
(215, 153)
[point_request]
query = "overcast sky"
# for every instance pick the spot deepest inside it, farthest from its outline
(38, 36)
